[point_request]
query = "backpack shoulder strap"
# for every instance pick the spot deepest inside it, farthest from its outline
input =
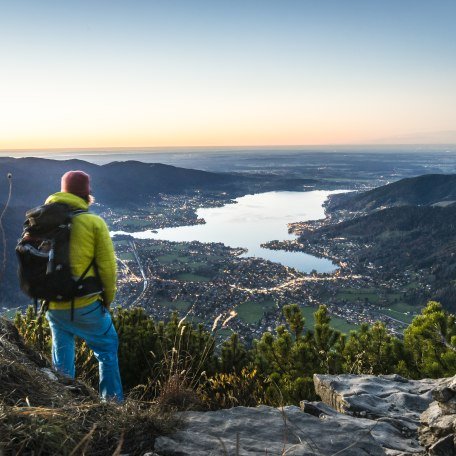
(79, 212)
(86, 270)
(78, 282)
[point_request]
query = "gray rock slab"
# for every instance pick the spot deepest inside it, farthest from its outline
(390, 399)
(271, 431)
(389, 434)
(380, 416)
(376, 396)
(438, 422)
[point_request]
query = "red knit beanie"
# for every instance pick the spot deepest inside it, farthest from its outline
(76, 182)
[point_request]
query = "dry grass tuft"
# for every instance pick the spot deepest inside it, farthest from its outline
(23, 377)
(176, 396)
(172, 395)
(43, 414)
(96, 428)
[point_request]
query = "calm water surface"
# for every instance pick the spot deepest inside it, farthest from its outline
(255, 219)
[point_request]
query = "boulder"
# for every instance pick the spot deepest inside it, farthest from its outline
(270, 431)
(438, 422)
(359, 415)
(391, 437)
(389, 399)
(374, 396)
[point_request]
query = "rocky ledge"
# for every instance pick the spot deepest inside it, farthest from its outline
(358, 415)
(269, 431)
(438, 422)
(388, 399)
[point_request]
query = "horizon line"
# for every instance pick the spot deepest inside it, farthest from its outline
(263, 146)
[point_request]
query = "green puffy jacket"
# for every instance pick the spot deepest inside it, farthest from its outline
(89, 239)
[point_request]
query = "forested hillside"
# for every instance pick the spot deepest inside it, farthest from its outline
(402, 238)
(416, 191)
(117, 183)
(9, 290)
(129, 182)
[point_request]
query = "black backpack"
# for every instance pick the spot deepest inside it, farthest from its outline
(44, 260)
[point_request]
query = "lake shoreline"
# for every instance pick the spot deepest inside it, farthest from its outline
(243, 221)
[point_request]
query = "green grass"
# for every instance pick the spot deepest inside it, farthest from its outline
(179, 305)
(252, 312)
(404, 307)
(179, 247)
(149, 247)
(173, 257)
(126, 256)
(169, 258)
(196, 264)
(372, 295)
(362, 290)
(401, 311)
(336, 322)
(122, 242)
(394, 297)
(352, 295)
(390, 303)
(176, 252)
(190, 277)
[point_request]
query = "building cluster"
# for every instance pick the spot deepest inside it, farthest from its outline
(163, 211)
(206, 282)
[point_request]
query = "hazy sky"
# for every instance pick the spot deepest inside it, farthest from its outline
(178, 73)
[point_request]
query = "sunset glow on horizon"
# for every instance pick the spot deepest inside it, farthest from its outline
(208, 73)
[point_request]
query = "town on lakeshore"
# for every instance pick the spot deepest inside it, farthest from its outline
(211, 282)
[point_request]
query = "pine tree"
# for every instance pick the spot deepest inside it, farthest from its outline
(233, 356)
(287, 360)
(328, 343)
(430, 340)
(370, 350)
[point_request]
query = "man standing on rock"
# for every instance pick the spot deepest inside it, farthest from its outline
(91, 256)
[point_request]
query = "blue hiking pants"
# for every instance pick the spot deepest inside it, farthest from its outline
(92, 323)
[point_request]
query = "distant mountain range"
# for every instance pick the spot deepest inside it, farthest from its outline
(130, 182)
(117, 184)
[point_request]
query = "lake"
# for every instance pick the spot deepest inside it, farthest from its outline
(253, 220)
